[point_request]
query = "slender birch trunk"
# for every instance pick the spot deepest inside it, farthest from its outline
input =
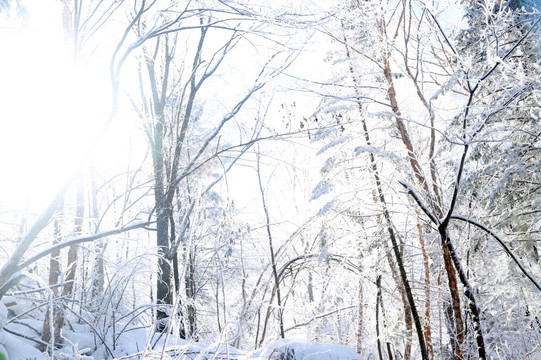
(52, 323)
(77, 230)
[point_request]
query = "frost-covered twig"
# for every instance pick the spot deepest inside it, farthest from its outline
(419, 202)
(26, 292)
(472, 91)
(468, 289)
(95, 331)
(500, 241)
(81, 240)
(37, 341)
(320, 316)
(10, 267)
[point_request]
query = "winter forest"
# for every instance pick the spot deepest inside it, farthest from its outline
(243, 179)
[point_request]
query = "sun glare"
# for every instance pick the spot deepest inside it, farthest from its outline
(50, 107)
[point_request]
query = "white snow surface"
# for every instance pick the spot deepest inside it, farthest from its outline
(142, 344)
(18, 349)
(80, 343)
(305, 350)
(136, 343)
(3, 315)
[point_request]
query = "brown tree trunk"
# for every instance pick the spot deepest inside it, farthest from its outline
(427, 328)
(416, 167)
(403, 285)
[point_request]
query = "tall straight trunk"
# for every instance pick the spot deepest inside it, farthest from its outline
(428, 332)
(99, 266)
(397, 253)
(417, 171)
(395, 274)
(378, 296)
(77, 230)
(190, 286)
(360, 322)
(401, 289)
(55, 336)
(409, 305)
(164, 285)
(271, 249)
(434, 195)
(163, 193)
(379, 305)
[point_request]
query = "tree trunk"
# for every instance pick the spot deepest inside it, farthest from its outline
(409, 306)
(428, 335)
(378, 297)
(190, 294)
(55, 336)
(444, 234)
(360, 322)
(416, 167)
(77, 230)
(271, 249)
(164, 286)
(399, 261)
(468, 292)
(379, 305)
(98, 274)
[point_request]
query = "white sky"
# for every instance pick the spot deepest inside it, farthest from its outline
(50, 108)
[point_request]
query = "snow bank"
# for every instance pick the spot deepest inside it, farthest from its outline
(139, 344)
(288, 349)
(136, 345)
(16, 349)
(3, 316)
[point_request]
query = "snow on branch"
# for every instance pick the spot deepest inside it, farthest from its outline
(500, 241)
(419, 202)
(322, 188)
(334, 143)
(81, 240)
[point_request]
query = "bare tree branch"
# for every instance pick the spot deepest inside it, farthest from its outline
(81, 240)
(502, 243)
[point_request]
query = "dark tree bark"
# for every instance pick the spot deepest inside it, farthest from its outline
(379, 305)
(164, 284)
(444, 234)
(162, 207)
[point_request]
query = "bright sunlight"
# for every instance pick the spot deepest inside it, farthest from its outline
(50, 109)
